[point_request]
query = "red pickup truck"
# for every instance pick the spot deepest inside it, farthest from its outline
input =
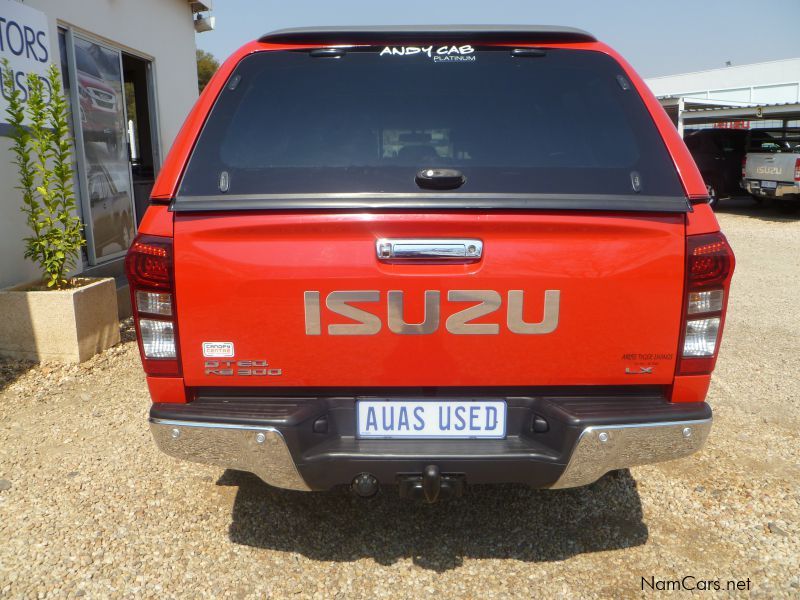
(429, 257)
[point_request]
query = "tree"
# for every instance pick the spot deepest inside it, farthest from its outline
(207, 65)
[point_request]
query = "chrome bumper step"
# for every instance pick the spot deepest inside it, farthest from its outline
(258, 450)
(603, 449)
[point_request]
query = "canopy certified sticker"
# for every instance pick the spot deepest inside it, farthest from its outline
(217, 349)
(465, 53)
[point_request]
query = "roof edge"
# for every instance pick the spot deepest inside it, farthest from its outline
(727, 69)
(421, 33)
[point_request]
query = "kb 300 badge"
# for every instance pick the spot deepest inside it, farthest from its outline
(243, 368)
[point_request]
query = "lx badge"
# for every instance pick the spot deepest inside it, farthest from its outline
(641, 371)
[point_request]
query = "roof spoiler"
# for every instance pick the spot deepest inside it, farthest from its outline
(427, 33)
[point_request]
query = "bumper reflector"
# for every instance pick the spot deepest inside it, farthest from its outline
(158, 338)
(701, 337)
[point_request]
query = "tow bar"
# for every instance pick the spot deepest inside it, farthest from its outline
(431, 485)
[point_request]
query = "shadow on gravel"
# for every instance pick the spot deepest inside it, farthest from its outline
(766, 211)
(510, 521)
(11, 370)
(127, 330)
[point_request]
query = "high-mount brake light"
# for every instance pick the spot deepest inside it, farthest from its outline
(149, 267)
(709, 267)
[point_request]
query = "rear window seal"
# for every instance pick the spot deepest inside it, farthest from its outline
(432, 201)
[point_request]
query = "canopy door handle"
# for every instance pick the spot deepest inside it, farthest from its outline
(463, 250)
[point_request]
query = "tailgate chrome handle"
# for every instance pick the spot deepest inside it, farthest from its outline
(429, 249)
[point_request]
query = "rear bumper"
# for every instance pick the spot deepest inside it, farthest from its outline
(753, 186)
(274, 439)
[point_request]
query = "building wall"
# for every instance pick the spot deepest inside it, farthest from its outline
(774, 82)
(161, 30)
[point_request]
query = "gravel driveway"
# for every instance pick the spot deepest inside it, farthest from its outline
(89, 508)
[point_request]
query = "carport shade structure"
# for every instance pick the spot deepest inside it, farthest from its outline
(702, 111)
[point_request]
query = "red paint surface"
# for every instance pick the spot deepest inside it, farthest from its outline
(620, 277)
(157, 220)
(690, 388)
(167, 389)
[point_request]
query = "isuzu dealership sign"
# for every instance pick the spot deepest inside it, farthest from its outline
(25, 43)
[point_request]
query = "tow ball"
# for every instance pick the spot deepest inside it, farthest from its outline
(365, 485)
(431, 485)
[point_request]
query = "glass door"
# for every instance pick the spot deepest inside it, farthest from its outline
(101, 140)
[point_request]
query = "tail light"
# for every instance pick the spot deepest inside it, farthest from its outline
(797, 169)
(709, 267)
(744, 165)
(149, 268)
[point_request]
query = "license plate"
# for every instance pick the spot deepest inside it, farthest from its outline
(431, 419)
(769, 185)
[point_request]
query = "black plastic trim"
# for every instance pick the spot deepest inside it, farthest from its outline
(328, 52)
(432, 201)
(233, 410)
(419, 33)
(528, 52)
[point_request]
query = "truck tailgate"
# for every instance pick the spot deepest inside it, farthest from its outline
(614, 283)
(771, 167)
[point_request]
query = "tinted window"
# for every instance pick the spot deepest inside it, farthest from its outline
(288, 122)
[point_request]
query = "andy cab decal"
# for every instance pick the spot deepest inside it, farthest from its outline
(465, 53)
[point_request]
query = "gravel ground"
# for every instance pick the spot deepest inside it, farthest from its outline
(89, 508)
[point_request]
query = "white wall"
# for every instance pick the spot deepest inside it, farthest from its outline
(773, 82)
(161, 30)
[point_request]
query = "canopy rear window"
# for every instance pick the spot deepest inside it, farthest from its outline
(565, 122)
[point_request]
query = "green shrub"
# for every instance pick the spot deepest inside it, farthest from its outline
(43, 155)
